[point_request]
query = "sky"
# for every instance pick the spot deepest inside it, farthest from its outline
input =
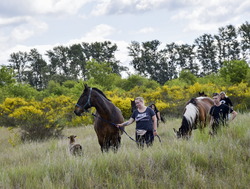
(44, 24)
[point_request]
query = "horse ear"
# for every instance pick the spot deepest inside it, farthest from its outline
(86, 86)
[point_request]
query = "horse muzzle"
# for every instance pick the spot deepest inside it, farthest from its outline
(78, 113)
(78, 110)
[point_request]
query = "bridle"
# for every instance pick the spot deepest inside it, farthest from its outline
(87, 103)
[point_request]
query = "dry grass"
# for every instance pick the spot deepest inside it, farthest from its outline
(202, 162)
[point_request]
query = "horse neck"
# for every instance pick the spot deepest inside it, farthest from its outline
(190, 114)
(185, 125)
(103, 106)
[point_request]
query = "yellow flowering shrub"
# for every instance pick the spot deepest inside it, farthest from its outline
(124, 104)
(10, 104)
(162, 105)
(24, 112)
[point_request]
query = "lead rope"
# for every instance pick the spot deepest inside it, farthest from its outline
(122, 129)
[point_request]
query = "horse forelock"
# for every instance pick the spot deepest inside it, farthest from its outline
(191, 113)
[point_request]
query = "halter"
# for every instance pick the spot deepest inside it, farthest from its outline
(87, 103)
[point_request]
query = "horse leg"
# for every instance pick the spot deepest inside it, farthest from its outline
(102, 142)
(115, 142)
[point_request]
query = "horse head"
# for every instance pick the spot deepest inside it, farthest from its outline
(84, 102)
(202, 93)
(177, 133)
(182, 134)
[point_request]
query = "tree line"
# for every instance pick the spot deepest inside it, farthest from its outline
(80, 61)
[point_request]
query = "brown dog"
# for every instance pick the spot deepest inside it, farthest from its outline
(74, 149)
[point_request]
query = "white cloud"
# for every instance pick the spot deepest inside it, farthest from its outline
(24, 7)
(100, 32)
(14, 20)
(146, 30)
(22, 28)
(57, 6)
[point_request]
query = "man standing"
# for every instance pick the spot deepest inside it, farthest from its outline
(219, 113)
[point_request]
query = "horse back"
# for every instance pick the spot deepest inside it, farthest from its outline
(204, 105)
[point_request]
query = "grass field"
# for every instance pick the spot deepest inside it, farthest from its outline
(222, 161)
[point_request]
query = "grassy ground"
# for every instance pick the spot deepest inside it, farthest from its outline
(202, 162)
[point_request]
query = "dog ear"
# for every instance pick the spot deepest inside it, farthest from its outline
(75, 136)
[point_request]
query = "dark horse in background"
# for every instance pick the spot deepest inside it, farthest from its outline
(196, 115)
(107, 115)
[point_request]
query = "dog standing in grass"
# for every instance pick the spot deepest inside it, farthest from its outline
(74, 149)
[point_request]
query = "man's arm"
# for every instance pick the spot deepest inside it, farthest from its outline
(234, 114)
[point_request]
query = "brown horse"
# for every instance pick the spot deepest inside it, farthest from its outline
(107, 115)
(196, 114)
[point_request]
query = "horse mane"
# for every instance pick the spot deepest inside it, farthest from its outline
(100, 92)
(193, 101)
(185, 126)
(191, 112)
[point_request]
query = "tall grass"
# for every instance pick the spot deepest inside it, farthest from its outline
(202, 162)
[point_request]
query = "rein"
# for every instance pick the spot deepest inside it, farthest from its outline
(122, 129)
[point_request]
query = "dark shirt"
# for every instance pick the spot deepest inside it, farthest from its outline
(156, 111)
(220, 113)
(144, 120)
(226, 101)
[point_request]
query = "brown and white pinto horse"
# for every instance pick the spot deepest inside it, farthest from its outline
(107, 115)
(196, 115)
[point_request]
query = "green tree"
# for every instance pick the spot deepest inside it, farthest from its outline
(227, 44)
(6, 76)
(149, 61)
(206, 54)
(145, 57)
(38, 72)
(103, 52)
(235, 71)
(59, 60)
(187, 77)
(77, 62)
(59, 64)
(101, 74)
(244, 32)
(19, 62)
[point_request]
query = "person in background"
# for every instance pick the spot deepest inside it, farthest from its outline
(219, 114)
(146, 123)
(225, 100)
(157, 113)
